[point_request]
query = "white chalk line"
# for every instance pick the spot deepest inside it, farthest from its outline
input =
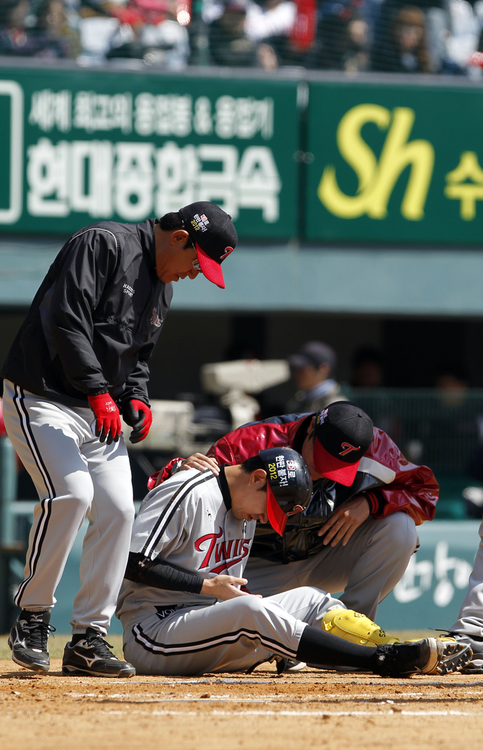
(156, 698)
(304, 714)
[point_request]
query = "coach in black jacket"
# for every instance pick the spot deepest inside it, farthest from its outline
(78, 363)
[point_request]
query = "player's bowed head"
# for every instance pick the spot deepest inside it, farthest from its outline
(271, 486)
(277, 485)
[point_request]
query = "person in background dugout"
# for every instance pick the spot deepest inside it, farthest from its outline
(78, 364)
(313, 369)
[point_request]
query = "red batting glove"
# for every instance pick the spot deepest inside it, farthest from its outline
(108, 419)
(138, 415)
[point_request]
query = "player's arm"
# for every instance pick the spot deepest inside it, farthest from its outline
(220, 454)
(195, 461)
(162, 575)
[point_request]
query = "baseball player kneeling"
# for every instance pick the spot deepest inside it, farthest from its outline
(183, 607)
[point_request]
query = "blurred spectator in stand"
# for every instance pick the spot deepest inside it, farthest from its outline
(356, 55)
(452, 29)
(367, 370)
(150, 31)
(54, 28)
(34, 29)
(461, 35)
(342, 39)
(476, 61)
(228, 42)
(269, 24)
(403, 47)
(313, 368)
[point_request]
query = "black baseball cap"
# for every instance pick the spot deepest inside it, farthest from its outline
(289, 485)
(313, 353)
(213, 235)
(343, 433)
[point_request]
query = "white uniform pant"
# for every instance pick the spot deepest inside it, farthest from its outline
(470, 618)
(365, 570)
(229, 636)
(76, 477)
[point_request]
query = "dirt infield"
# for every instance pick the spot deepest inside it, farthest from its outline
(260, 711)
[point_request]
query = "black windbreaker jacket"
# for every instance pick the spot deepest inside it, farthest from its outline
(95, 320)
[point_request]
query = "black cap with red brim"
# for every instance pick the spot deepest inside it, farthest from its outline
(343, 433)
(289, 486)
(213, 235)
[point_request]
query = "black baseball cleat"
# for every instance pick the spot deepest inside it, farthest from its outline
(91, 656)
(475, 643)
(28, 640)
(427, 656)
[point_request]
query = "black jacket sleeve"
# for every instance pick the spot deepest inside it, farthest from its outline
(67, 312)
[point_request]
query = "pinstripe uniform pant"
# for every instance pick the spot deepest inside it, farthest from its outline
(228, 636)
(76, 477)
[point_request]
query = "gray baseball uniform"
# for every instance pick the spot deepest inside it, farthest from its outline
(76, 476)
(187, 522)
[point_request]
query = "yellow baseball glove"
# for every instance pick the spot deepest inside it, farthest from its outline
(355, 627)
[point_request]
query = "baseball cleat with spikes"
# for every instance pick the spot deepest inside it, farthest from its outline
(426, 656)
(28, 640)
(90, 655)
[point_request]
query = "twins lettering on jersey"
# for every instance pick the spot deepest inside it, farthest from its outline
(221, 554)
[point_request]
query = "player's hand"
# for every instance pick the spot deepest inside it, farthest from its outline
(342, 524)
(224, 587)
(108, 419)
(139, 416)
(201, 462)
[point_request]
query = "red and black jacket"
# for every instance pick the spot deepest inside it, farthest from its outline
(387, 479)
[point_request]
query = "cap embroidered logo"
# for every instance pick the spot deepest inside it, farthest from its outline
(348, 448)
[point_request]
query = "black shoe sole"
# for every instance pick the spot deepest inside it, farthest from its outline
(76, 672)
(40, 668)
(455, 658)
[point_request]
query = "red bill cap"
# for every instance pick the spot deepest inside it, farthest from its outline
(343, 433)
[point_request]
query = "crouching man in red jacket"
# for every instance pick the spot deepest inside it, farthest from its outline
(359, 530)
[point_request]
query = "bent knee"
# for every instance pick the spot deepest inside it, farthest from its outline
(400, 532)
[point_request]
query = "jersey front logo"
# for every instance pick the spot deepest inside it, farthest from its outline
(220, 554)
